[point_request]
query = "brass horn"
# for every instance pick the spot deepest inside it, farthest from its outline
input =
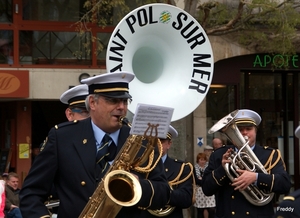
(172, 59)
(244, 159)
(119, 187)
(170, 55)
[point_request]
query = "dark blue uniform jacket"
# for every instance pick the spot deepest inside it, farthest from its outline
(230, 203)
(68, 161)
(182, 194)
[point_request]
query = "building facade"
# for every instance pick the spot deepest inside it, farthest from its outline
(41, 56)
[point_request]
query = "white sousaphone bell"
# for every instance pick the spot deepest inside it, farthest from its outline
(169, 53)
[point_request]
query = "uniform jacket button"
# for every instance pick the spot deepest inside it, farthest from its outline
(82, 183)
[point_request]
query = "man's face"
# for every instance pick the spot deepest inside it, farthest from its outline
(13, 182)
(106, 112)
(250, 132)
(217, 143)
(166, 144)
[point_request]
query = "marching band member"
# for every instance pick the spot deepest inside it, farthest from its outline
(69, 157)
(76, 110)
(75, 99)
(289, 206)
(180, 177)
(230, 202)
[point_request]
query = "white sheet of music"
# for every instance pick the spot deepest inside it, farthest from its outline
(147, 117)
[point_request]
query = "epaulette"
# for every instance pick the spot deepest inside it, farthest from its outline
(268, 148)
(178, 161)
(42, 146)
(68, 123)
(289, 206)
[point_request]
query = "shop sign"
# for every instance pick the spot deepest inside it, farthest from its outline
(276, 61)
(14, 83)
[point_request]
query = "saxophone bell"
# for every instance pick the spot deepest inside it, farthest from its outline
(123, 188)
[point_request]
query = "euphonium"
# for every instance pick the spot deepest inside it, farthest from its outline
(244, 159)
(119, 187)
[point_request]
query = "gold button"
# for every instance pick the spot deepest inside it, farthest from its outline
(232, 197)
(248, 213)
(83, 183)
(233, 213)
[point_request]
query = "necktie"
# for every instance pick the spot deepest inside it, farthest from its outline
(105, 152)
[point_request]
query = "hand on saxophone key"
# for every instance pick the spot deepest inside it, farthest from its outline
(226, 156)
(244, 180)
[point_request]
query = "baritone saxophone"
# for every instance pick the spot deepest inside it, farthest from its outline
(119, 187)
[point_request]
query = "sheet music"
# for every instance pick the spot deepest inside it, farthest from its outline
(154, 115)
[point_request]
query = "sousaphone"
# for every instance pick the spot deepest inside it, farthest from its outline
(169, 53)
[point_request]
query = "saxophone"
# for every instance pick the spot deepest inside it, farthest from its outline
(119, 187)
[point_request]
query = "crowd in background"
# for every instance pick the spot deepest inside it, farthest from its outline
(205, 205)
(9, 196)
(170, 183)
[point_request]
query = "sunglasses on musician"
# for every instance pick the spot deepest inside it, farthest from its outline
(81, 111)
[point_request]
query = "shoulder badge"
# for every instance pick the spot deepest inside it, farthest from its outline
(269, 148)
(42, 146)
(178, 161)
(68, 123)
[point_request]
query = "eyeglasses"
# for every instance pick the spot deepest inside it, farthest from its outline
(115, 101)
(80, 111)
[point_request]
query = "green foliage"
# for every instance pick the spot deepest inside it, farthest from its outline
(263, 25)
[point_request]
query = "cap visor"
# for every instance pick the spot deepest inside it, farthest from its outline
(81, 105)
(116, 95)
(245, 124)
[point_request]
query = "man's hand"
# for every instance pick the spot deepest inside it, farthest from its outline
(12, 207)
(244, 180)
(225, 157)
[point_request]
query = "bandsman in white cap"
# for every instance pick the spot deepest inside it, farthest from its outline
(180, 177)
(230, 202)
(76, 110)
(75, 99)
(289, 206)
(72, 158)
